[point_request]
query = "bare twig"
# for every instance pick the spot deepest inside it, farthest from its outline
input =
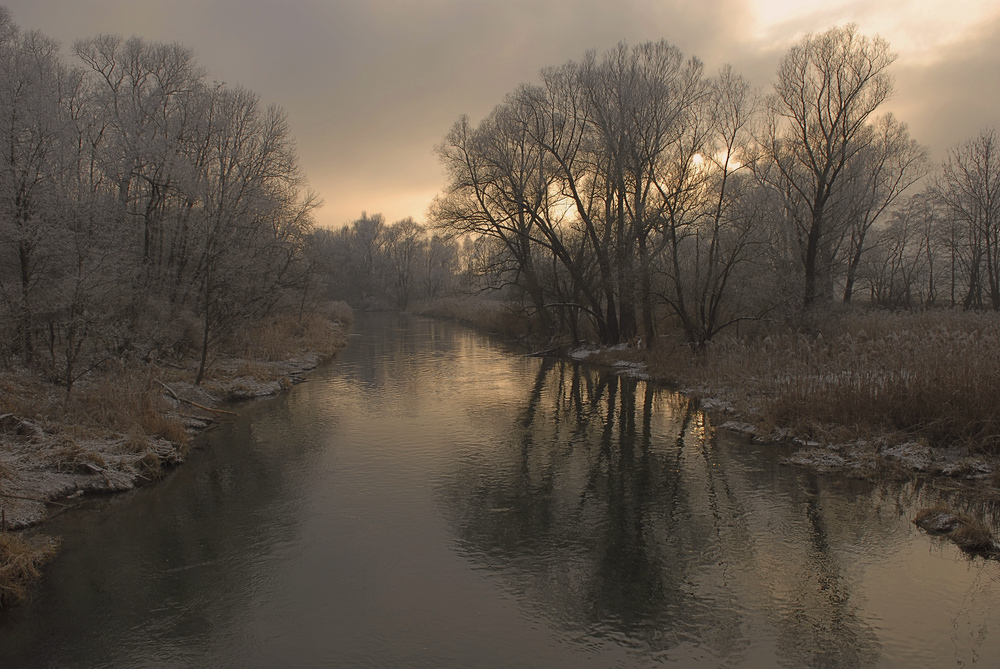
(194, 404)
(35, 499)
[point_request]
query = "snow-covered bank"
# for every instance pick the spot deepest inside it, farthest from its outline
(54, 456)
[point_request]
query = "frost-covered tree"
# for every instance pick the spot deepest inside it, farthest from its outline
(828, 88)
(141, 210)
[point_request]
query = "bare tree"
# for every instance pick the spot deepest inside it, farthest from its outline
(968, 190)
(712, 212)
(130, 190)
(153, 96)
(499, 186)
(828, 87)
(35, 88)
(251, 221)
(886, 167)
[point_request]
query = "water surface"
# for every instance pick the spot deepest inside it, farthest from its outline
(432, 499)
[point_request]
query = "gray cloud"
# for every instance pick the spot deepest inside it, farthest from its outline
(372, 86)
(951, 99)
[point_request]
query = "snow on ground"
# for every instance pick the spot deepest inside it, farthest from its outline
(46, 467)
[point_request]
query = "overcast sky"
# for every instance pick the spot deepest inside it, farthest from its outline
(371, 86)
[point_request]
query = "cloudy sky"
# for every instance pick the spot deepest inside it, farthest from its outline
(371, 86)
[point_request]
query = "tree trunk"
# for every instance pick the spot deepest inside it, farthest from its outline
(26, 319)
(811, 264)
(646, 297)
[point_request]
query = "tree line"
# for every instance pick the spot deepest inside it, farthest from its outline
(626, 193)
(144, 208)
(371, 264)
(147, 210)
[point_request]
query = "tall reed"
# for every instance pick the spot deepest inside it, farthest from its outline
(932, 375)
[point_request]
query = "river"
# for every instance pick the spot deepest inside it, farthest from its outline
(434, 499)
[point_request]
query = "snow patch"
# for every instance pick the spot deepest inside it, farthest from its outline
(715, 404)
(746, 429)
(820, 459)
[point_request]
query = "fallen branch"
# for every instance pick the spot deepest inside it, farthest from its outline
(541, 354)
(35, 499)
(200, 419)
(194, 404)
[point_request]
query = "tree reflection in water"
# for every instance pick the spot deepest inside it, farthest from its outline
(614, 509)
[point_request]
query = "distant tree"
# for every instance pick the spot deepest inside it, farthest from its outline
(968, 192)
(440, 268)
(405, 244)
(902, 259)
(881, 172)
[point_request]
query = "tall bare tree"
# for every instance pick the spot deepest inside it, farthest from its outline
(710, 230)
(828, 87)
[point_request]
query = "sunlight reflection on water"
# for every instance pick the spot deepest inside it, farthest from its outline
(433, 499)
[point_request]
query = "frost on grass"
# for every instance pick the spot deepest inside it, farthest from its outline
(50, 466)
(21, 561)
(970, 534)
(125, 433)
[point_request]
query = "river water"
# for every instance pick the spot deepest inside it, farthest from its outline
(432, 499)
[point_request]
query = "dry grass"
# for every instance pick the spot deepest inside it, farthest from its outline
(973, 536)
(68, 456)
(338, 312)
(150, 466)
(21, 561)
(257, 371)
(127, 402)
(125, 398)
(933, 375)
(289, 336)
(23, 394)
(136, 442)
(104, 404)
(970, 534)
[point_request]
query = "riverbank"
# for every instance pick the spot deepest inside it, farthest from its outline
(122, 427)
(865, 393)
